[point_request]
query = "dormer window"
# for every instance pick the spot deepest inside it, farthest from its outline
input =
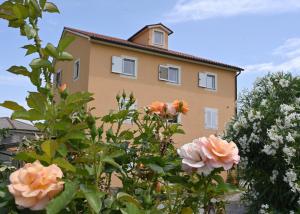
(158, 37)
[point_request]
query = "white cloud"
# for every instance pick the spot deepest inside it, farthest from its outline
(186, 10)
(289, 59)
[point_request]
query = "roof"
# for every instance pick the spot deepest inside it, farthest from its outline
(149, 48)
(7, 123)
(149, 26)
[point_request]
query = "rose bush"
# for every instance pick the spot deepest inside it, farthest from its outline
(71, 164)
(267, 130)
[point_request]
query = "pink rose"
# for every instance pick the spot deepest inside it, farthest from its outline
(192, 160)
(34, 185)
(205, 154)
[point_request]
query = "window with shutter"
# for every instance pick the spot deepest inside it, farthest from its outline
(169, 74)
(76, 70)
(124, 65)
(211, 118)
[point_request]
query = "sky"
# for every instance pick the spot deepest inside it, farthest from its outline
(260, 36)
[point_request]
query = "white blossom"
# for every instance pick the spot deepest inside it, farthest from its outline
(289, 153)
(274, 176)
(286, 109)
(269, 150)
(284, 83)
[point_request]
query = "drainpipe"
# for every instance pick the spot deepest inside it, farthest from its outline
(236, 76)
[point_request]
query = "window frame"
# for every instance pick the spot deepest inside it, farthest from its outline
(58, 72)
(208, 74)
(168, 80)
(211, 110)
(214, 78)
(74, 68)
(163, 37)
(135, 66)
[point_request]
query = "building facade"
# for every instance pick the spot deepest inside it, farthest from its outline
(145, 65)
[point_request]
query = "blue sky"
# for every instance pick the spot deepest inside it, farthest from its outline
(258, 35)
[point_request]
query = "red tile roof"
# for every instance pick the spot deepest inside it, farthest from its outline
(167, 52)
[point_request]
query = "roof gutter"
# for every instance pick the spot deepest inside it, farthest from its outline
(236, 96)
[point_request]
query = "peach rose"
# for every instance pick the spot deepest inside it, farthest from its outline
(63, 87)
(180, 106)
(34, 185)
(157, 107)
(205, 154)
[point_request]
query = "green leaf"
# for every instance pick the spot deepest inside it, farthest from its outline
(31, 157)
(187, 210)
(29, 31)
(51, 7)
(94, 197)
(39, 63)
(218, 178)
(124, 197)
(30, 115)
(60, 202)
(61, 162)
(156, 168)
(49, 147)
(42, 3)
(30, 49)
(20, 11)
(20, 70)
(37, 101)
(51, 50)
(35, 77)
(12, 106)
(110, 161)
(131, 209)
(65, 42)
(65, 56)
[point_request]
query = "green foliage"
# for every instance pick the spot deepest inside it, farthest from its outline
(92, 152)
(266, 131)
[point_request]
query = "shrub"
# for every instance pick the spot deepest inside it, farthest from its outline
(70, 166)
(267, 131)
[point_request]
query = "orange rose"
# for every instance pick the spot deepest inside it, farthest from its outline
(34, 185)
(181, 106)
(63, 87)
(205, 154)
(158, 107)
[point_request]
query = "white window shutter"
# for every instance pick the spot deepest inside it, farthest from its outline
(163, 72)
(117, 65)
(207, 118)
(202, 80)
(214, 119)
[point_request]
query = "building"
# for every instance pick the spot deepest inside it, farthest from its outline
(144, 65)
(12, 133)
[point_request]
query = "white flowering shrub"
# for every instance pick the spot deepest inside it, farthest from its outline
(267, 132)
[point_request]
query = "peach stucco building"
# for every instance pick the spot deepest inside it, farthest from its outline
(146, 66)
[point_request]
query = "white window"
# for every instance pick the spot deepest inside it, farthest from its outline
(211, 118)
(58, 78)
(176, 119)
(207, 80)
(132, 107)
(169, 74)
(124, 65)
(158, 37)
(76, 70)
